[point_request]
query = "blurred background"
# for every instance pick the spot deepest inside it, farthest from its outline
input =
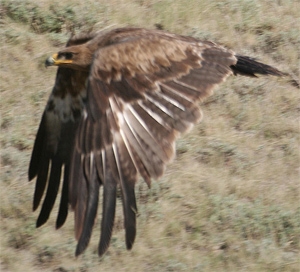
(228, 202)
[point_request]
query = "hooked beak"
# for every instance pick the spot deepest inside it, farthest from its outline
(53, 60)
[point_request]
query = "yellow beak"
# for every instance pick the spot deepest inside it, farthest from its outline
(53, 60)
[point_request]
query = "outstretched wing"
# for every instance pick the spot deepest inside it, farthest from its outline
(54, 142)
(50, 158)
(55, 138)
(142, 94)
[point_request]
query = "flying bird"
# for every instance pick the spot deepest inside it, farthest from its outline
(120, 100)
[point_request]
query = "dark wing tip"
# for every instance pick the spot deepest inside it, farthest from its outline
(130, 237)
(38, 152)
(31, 174)
(250, 67)
(35, 205)
(80, 248)
(61, 218)
(90, 215)
(41, 220)
(102, 248)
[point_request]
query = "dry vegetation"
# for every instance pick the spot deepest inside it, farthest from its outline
(229, 202)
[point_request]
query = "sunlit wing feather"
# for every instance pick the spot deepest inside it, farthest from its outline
(136, 107)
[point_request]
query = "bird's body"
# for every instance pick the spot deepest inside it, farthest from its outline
(120, 100)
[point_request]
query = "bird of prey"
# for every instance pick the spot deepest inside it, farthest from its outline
(120, 100)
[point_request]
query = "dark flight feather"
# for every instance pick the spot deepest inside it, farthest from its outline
(63, 206)
(250, 67)
(108, 211)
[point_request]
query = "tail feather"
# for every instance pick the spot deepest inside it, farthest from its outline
(249, 67)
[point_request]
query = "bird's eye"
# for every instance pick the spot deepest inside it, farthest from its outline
(68, 55)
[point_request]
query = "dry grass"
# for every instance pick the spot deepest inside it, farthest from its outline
(229, 202)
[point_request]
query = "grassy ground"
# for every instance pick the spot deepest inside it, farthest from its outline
(229, 202)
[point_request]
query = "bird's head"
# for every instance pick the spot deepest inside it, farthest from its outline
(77, 57)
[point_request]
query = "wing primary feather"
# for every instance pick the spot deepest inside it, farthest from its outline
(249, 67)
(82, 129)
(128, 196)
(63, 207)
(39, 165)
(99, 166)
(108, 213)
(38, 151)
(75, 175)
(82, 195)
(91, 207)
(88, 135)
(41, 182)
(51, 194)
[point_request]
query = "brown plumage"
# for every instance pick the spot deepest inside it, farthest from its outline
(120, 100)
